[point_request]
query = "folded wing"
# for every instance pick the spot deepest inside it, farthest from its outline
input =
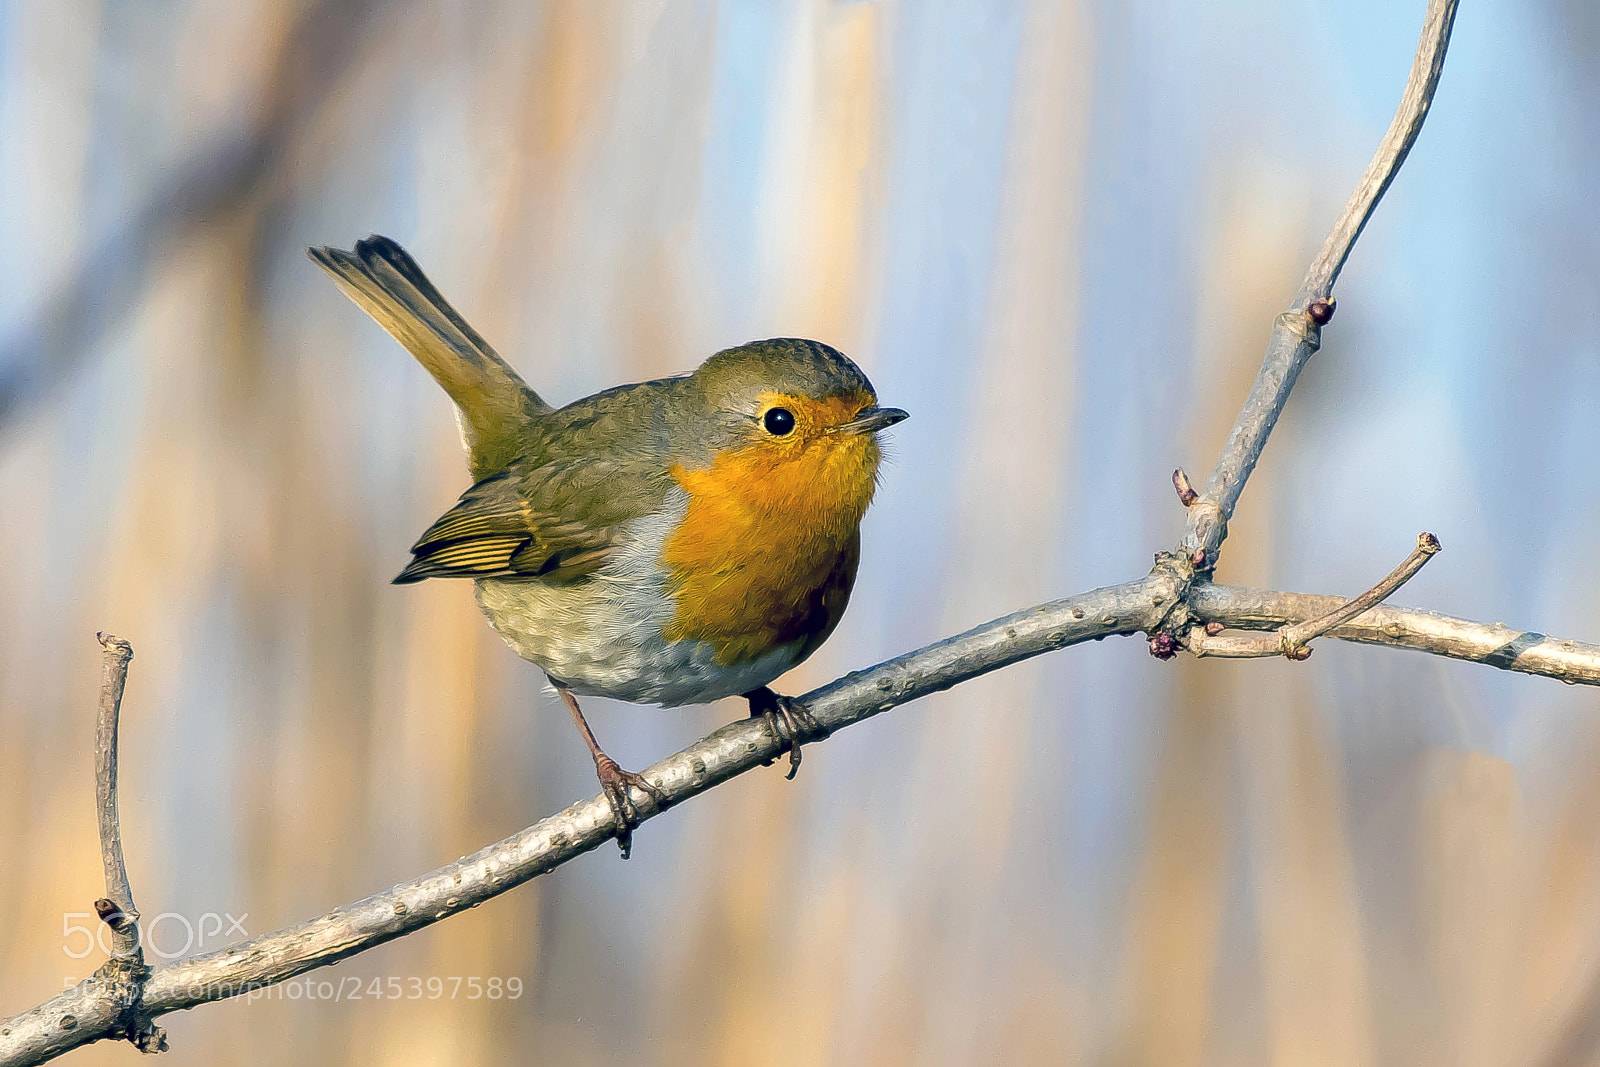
(557, 523)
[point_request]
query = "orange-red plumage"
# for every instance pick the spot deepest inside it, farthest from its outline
(767, 552)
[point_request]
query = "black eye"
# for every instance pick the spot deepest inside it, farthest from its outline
(778, 421)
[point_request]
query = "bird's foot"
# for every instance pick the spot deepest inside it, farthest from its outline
(614, 781)
(790, 720)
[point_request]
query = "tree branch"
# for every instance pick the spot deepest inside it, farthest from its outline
(108, 1002)
(1292, 640)
(1133, 607)
(121, 980)
(46, 1031)
(1298, 332)
(1493, 644)
(117, 911)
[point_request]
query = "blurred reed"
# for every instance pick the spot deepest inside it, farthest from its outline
(1057, 233)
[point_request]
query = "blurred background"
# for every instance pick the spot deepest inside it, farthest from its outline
(1057, 233)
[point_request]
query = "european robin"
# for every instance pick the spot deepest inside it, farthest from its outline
(671, 542)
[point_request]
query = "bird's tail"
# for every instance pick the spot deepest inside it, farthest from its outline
(494, 402)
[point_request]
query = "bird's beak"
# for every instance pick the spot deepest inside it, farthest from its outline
(871, 420)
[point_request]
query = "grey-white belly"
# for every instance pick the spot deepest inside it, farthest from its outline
(602, 636)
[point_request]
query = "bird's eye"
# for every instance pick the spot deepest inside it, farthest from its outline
(778, 421)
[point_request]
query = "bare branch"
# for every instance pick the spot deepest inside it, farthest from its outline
(1298, 333)
(121, 980)
(1292, 639)
(1426, 67)
(78, 1015)
(81, 1015)
(107, 1003)
(1494, 644)
(121, 915)
(1295, 637)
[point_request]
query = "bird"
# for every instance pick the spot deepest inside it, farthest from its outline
(670, 542)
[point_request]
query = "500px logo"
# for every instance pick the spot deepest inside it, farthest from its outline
(168, 935)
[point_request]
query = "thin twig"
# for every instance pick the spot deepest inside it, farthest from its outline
(1293, 639)
(1297, 334)
(1297, 636)
(121, 915)
(120, 981)
(1426, 67)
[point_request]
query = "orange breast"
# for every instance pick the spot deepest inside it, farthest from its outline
(767, 551)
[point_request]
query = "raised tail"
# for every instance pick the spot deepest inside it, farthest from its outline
(495, 404)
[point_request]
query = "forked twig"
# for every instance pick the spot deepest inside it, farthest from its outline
(1293, 640)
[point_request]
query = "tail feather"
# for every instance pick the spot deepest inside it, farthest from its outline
(494, 402)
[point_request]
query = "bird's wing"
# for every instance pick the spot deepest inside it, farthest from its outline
(557, 523)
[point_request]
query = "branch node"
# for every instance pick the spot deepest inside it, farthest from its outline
(1186, 494)
(1296, 324)
(1296, 637)
(113, 916)
(149, 1039)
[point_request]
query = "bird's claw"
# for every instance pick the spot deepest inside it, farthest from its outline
(614, 782)
(794, 726)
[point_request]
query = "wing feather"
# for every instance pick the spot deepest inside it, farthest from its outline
(519, 523)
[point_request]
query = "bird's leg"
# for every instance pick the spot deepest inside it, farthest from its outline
(614, 781)
(793, 724)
